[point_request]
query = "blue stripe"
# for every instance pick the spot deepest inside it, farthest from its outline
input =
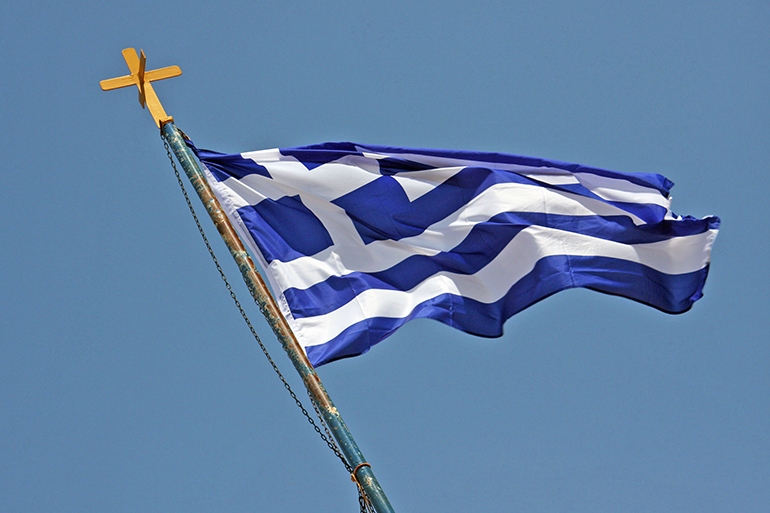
(482, 245)
(669, 293)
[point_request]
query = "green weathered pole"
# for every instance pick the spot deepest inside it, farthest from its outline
(362, 471)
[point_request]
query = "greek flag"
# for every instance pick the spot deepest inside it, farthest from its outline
(357, 240)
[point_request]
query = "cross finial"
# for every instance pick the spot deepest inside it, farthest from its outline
(142, 79)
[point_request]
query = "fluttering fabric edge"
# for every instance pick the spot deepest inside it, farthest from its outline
(671, 293)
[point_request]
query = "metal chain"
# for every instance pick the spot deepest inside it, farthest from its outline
(363, 501)
(329, 440)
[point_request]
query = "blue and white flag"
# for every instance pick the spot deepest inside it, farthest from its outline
(357, 240)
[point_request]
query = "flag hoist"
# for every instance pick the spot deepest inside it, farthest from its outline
(361, 471)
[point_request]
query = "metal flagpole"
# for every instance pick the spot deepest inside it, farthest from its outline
(362, 471)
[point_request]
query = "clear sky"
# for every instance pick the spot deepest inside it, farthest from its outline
(129, 383)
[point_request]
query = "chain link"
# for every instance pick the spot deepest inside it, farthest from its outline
(328, 438)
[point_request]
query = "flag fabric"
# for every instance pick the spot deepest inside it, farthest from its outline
(357, 240)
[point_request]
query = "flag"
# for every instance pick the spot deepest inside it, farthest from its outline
(356, 240)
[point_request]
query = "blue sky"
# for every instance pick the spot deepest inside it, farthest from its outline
(129, 383)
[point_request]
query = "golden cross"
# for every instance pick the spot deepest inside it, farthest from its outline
(142, 79)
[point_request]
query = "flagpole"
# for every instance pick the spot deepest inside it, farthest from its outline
(362, 471)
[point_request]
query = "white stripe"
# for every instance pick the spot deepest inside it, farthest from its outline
(556, 179)
(417, 185)
(328, 181)
(675, 256)
(615, 189)
(270, 155)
